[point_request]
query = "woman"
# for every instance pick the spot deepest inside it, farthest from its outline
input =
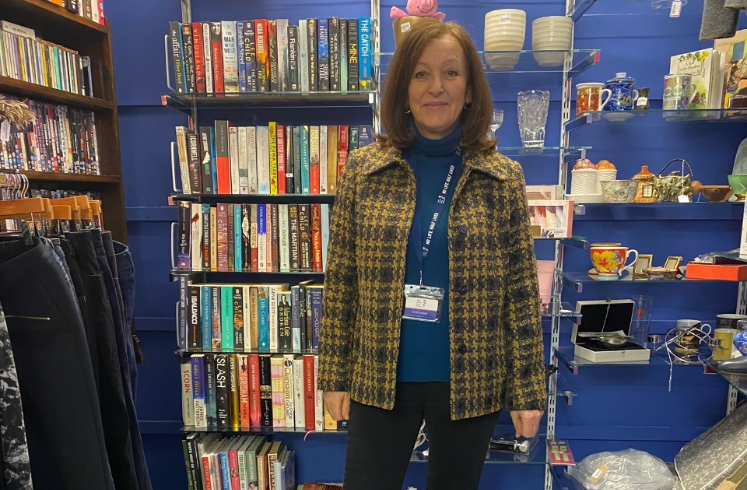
(431, 300)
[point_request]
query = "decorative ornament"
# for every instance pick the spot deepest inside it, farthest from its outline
(419, 8)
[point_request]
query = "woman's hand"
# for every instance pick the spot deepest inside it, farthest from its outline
(526, 422)
(338, 404)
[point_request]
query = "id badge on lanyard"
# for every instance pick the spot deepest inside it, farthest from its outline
(422, 302)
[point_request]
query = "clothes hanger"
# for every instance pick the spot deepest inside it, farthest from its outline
(98, 218)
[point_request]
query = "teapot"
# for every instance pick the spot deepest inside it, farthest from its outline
(623, 96)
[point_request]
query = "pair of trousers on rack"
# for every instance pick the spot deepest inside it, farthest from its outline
(126, 275)
(103, 308)
(61, 408)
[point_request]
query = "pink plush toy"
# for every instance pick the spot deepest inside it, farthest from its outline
(419, 8)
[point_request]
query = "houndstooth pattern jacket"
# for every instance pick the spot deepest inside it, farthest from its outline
(494, 312)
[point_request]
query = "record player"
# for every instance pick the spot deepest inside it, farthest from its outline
(603, 334)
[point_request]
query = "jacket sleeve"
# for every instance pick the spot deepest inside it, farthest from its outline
(525, 383)
(340, 288)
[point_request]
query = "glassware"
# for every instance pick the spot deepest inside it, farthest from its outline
(665, 4)
(533, 106)
(496, 122)
(641, 318)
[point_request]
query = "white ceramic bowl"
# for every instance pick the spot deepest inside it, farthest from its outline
(505, 15)
(548, 60)
(552, 19)
(501, 61)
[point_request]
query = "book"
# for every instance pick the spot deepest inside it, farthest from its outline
(198, 390)
(263, 160)
(188, 406)
(296, 154)
(211, 394)
(323, 154)
(281, 159)
(303, 55)
(262, 55)
(316, 237)
(353, 55)
(237, 237)
(273, 154)
(223, 391)
(194, 332)
(282, 48)
(316, 293)
(305, 160)
(325, 234)
(241, 56)
(255, 410)
(243, 376)
(183, 156)
(334, 54)
(206, 161)
(343, 55)
(177, 56)
(309, 390)
(304, 237)
(243, 163)
(183, 312)
(265, 390)
(184, 234)
(323, 53)
(238, 318)
(233, 377)
(298, 393)
(284, 321)
(207, 52)
(706, 68)
(272, 52)
(230, 57)
(222, 243)
(314, 171)
(278, 391)
(250, 56)
(216, 52)
(312, 47)
(364, 53)
(284, 238)
(293, 59)
(331, 169)
(263, 312)
(206, 318)
(189, 59)
(274, 242)
(223, 156)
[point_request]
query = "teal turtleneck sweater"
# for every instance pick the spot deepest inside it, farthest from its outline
(424, 346)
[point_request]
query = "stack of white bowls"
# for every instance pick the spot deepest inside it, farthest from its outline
(551, 34)
(504, 31)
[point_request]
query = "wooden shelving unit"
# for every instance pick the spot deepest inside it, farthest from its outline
(59, 26)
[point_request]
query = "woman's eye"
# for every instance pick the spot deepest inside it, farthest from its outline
(452, 73)
(421, 74)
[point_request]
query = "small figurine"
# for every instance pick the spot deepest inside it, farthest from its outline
(419, 8)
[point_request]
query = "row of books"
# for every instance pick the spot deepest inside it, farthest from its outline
(249, 317)
(272, 159)
(26, 58)
(233, 57)
(236, 463)
(252, 237)
(62, 193)
(233, 392)
(90, 9)
(62, 139)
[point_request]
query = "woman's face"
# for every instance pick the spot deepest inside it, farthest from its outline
(438, 88)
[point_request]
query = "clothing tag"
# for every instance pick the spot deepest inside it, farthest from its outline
(423, 303)
(676, 9)
(5, 131)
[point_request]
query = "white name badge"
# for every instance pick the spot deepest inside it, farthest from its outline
(423, 303)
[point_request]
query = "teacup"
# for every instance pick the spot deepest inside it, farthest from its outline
(611, 260)
(591, 97)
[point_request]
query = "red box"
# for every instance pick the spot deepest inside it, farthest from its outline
(720, 272)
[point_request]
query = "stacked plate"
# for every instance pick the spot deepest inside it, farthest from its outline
(504, 31)
(551, 34)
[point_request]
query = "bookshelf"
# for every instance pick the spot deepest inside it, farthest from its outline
(57, 25)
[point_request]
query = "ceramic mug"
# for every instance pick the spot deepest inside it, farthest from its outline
(589, 97)
(724, 347)
(611, 261)
(678, 90)
(729, 320)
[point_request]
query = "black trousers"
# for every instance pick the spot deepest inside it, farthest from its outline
(380, 442)
(60, 406)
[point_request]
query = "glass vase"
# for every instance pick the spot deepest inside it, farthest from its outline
(533, 106)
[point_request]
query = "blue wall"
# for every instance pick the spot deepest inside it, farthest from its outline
(616, 407)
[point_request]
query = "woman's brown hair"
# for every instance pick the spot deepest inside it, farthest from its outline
(475, 117)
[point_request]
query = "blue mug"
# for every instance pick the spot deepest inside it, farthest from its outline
(623, 96)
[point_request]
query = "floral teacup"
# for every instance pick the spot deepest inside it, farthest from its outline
(610, 261)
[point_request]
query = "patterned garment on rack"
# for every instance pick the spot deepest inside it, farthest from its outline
(15, 451)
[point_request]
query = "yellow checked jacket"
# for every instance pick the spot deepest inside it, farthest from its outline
(494, 306)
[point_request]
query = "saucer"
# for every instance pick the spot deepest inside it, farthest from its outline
(618, 116)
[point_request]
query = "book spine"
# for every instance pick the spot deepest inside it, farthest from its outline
(231, 240)
(188, 405)
(233, 159)
(314, 159)
(237, 238)
(189, 58)
(250, 56)
(198, 43)
(332, 144)
(334, 54)
(309, 332)
(233, 464)
(206, 160)
(206, 319)
(309, 388)
(255, 410)
(317, 296)
(246, 247)
(352, 138)
(289, 397)
(318, 403)
(325, 234)
(296, 137)
(195, 166)
(243, 375)
(278, 392)
(226, 314)
(263, 160)
(241, 56)
(207, 52)
(275, 238)
(344, 55)
(283, 238)
(262, 238)
(316, 237)
(198, 390)
(293, 78)
(262, 55)
(233, 391)
(177, 57)
(281, 159)
(342, 149)
(222, 237)
(184, 234)
(283, 69)
(243, 167)
(215, 304)
(295, 319)
(323, 53)
(211, 395)
(238, 318)
(263, 307)
(265, 390)
(230, 57)
(190, 460)
(223, 157)
(304, 232)
(365, 135)
(323, 159)
(206, 245)
(272, 317)
(273, 148)
(251, 139)
(353, 54)
(216, 51)
(295, 260)
(303, 55)
(222, 391)
(183, 155)
(305, 162)
(183, 320)
(194, 333)
(254, 237)
(225, 472)
(284, 321)
(364, 53)
(298, 393)
(272, 52)
(289, 172)
(312, 46)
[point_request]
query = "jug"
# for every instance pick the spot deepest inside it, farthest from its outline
(623, 95)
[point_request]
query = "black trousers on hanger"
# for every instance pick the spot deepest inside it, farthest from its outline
(380, 442)
(114, 413)
(61, 410)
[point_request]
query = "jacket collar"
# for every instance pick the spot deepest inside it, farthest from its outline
(380, 158)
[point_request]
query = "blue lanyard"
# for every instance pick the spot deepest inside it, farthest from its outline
(422, 252)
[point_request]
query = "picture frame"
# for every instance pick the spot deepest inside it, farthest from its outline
(551, 218)
(644, 261)
(672, 262)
